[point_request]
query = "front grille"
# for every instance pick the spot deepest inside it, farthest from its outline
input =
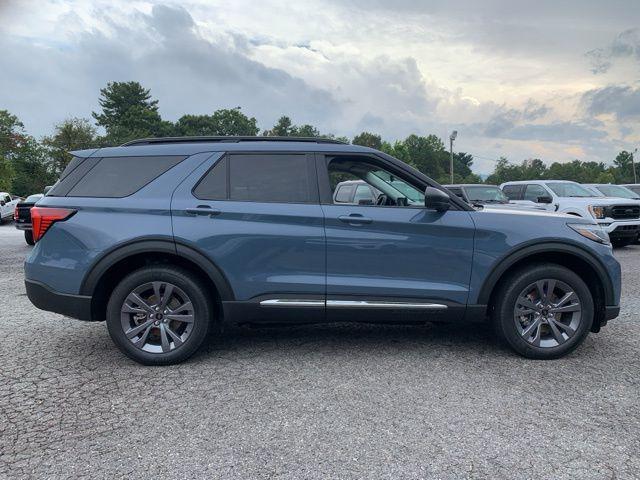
(621, 212)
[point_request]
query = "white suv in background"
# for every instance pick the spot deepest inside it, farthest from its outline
(619, 217)
(7, 206)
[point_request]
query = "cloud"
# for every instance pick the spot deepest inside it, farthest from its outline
(165, 52)
(505, 120)
(623, 101)
(625, 45)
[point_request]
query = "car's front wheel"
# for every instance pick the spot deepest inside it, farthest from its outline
(159, 315)
(543, 311)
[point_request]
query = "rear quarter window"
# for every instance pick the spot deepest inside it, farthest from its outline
(117, 177)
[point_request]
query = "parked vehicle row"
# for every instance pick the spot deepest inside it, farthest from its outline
(615, 208)
(619, 217)
(169, 239)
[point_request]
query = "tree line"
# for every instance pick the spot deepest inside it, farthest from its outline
(128, 111)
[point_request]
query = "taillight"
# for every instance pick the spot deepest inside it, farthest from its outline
(16, 215)
(43, 217)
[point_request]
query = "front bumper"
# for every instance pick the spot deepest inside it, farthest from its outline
(44, 298)
(620, 228)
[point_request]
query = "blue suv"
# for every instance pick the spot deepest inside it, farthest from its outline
(168, 239)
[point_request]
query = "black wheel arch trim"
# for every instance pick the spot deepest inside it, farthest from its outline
(547, 247)
(156, 245)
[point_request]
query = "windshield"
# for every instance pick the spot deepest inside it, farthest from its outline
(486, 193)
(617, 191)
(570, 190)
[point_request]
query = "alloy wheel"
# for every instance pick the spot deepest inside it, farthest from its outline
(157, 317)
(547, 313)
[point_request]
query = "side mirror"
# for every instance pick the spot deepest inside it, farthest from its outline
(545, 199)
(435, 199)
(2, 204)
(365, 201)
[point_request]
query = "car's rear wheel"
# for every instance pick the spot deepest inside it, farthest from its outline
(28, 237)
(159, 315)
(543, 311)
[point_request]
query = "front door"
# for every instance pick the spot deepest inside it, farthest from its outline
(395, 255)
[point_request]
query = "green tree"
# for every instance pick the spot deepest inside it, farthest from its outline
(283, 128)
(367, 139)
(223, 122)
(624, 167)
(71, 134)
(129, 112)
(426, 154)
(12, 137)
(32, 168)
(306, 130)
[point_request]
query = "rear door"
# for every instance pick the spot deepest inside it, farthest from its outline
(257, 217)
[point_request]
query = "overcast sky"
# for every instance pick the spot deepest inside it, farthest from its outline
(556, 80)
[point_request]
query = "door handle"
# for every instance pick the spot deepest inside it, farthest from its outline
(355, 219)
(203, 210)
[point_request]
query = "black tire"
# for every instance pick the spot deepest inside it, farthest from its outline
(622, 242)
(504, 318)
(196, 293)
(28, 237)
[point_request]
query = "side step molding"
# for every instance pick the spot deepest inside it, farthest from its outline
(296, 302)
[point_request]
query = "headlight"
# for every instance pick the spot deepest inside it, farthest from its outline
(592, 232)
(597, 211)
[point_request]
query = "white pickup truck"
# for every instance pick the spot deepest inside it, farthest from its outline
(7, 206)
(619, 217)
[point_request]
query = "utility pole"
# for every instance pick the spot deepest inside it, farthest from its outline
(633, 165)
(452, 137)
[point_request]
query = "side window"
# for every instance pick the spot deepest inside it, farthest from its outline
(343, 194)
(7, 198)
(213, 186)
(513, 192)
(532, 192)
(116, 177)
(363, 196)
(284, 178)
(383, 187)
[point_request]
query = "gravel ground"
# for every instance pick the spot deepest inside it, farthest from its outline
(314, 402)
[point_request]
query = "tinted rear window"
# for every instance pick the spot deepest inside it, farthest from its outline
(284, 178)
(115, 177)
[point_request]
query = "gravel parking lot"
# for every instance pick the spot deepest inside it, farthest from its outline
(314, 402)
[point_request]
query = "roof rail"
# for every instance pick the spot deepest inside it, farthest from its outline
(213, 139)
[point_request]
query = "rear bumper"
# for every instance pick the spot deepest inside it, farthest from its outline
(23, 226)
(44, 298)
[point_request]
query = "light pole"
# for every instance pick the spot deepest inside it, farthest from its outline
(633, 165)
(452, 137)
